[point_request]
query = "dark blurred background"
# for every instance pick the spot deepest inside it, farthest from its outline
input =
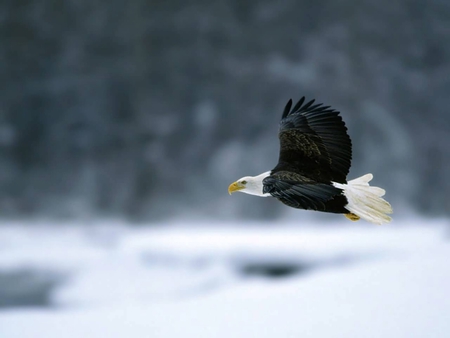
(149, 109)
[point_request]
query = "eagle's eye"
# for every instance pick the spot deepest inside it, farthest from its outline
(244, 182)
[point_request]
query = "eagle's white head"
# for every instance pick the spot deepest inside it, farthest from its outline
(250, 185)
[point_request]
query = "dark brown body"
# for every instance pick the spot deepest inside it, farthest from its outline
(315, 150)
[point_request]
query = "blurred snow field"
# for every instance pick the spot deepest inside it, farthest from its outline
(225, 280)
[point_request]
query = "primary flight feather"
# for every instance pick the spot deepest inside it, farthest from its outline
(315, 158)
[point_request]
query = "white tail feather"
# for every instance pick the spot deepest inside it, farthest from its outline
(366, 201)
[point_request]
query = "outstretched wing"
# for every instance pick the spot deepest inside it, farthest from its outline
(314, 142)
(300, 192)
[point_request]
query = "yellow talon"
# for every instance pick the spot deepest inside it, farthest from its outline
(352, 217)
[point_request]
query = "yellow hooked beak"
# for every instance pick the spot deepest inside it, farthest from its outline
(235, 186)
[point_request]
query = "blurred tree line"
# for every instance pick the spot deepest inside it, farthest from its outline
(149, 109)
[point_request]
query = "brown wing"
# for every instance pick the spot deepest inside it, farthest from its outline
(314, 143)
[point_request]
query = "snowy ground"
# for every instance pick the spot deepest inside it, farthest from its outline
(225, 280)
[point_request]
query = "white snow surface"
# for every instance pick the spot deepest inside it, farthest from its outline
(189, 280)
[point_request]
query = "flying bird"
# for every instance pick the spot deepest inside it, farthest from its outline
(315, 158)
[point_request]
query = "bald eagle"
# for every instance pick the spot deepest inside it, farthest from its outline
(315, 158)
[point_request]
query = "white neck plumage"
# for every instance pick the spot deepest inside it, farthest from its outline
(251, 185)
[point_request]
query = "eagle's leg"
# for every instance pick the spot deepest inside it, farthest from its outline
(352, 217)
